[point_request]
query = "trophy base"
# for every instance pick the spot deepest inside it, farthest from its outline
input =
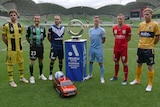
(76, 37)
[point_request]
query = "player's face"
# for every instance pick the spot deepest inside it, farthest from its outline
(36, 20)
(57, 20)
(147, 16)
(96, 21)
(13, 17)
(120, 20)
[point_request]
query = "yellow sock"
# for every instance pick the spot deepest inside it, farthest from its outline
(21, 67)
(150, 77)
(138, 73)
(10, 72)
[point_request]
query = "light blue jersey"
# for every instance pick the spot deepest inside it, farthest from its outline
(95, 51)
(96, 35)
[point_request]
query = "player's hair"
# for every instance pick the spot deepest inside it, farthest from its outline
(120, 14)
(148, 9)
(96, 17)
(13, 11)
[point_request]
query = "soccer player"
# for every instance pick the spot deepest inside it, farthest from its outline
(122, 35)
(149, 33)
(97, 37)
(55, 37)
(12, 32)
(35, 35)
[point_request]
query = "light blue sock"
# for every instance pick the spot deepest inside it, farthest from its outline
(90, 69)
(102, 71)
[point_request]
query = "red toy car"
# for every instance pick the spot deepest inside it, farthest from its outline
(64, 86)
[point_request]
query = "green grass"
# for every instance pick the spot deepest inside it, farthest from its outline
(91, 93)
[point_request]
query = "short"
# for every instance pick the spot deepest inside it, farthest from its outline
(36, 52)
(96, 54)
(14, 57)
(120, 54)
(145, 56)
(56, 53)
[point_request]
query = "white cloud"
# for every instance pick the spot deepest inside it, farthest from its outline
(85, 3)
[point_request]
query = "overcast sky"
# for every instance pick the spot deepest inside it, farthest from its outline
(86, 3)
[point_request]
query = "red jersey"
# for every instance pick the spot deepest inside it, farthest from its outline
(121, 35)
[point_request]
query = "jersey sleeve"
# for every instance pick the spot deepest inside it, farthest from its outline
(103, 33)
(129, 31)
(157, 30)
(4, 29)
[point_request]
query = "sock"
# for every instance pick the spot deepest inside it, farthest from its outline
(150, 77)
(51, 68)
(138, 73)
(40, 68)
(31, 69)
(21, 68)
(116, 70)
(90, 69)
(125, 72)
(10, 72)
(60, 65)
(102, 71)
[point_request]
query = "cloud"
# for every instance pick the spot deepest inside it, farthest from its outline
(85, 3)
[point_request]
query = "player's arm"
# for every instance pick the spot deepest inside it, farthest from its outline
(44, 33)
(4, 34)
(156, 39)
(28, 34)
(103, 39)
(129, 33)
(49, 35)
(4, 38)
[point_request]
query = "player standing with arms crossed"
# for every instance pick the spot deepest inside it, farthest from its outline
(122, 35)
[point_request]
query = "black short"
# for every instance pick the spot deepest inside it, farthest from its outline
(56, 53)
(145, 56)
(36, 52)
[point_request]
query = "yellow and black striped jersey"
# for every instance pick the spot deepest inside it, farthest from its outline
(147, 33)
(13, 32)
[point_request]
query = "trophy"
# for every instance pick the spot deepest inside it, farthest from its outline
(72, 29)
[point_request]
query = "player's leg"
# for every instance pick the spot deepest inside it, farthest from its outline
(150, 62)
(99, 58)
(140, 60)
(60, 57)
(116, 58)
(33, 56)
(124, 59)
(53, 55)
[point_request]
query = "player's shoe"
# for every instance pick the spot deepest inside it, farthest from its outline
(42, 77)
(24, 80)
(149, 88)
(113, 78)
(50, 77)
(13, 84)
(32, 80)
(87, 77)
(134, 82)
(102, 80)
(124, 82)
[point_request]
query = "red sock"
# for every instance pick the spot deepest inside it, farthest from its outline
(116, 70)
(125, 72)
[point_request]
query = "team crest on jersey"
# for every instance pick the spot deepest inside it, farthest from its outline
(115, 31)
(123, 31)
(149, 27)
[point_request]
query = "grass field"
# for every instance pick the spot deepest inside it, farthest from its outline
(91, 93)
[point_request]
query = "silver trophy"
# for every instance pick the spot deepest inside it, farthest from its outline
(72, 29)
